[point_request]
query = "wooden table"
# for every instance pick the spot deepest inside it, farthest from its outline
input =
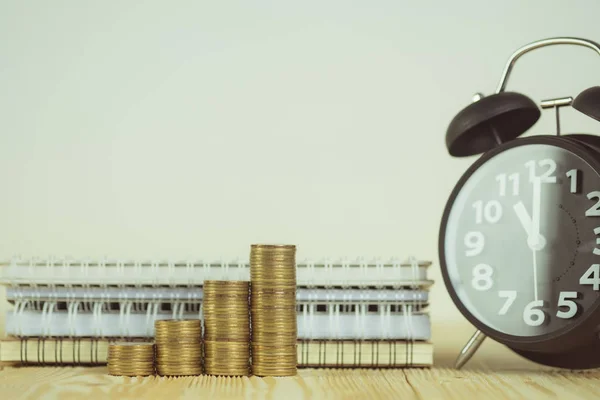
(494, 373)
(435, 383)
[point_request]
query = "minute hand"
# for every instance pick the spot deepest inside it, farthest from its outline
(534, 233)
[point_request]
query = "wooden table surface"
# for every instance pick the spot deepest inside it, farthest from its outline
(494, 373)
(435, 383)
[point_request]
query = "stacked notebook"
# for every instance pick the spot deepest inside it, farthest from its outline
(360, 313)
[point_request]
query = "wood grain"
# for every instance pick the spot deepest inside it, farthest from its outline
(494, 373)
(436, 383)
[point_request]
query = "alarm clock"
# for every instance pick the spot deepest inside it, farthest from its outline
(519, 240)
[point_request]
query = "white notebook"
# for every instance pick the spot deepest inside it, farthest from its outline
(332, 324)
(195, 294)
(359, 272)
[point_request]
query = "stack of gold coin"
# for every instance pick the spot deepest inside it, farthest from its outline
(178, 347)
(273, 310)
(226, 328)
(131, 359)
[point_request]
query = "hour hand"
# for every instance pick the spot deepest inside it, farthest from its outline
(524, 217)
(535, 242)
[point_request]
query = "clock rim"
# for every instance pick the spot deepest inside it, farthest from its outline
(583, 356)
(582, 330)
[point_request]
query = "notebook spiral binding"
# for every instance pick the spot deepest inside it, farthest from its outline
(327, 273)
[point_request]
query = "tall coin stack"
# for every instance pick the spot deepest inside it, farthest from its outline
(273, 310)
(178, 347)
(226, 328)
(130, 359)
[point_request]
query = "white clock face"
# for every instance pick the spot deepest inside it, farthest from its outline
(522, 240)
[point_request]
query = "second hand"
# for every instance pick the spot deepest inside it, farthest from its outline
(535, 289)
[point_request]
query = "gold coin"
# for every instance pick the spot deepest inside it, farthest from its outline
(260, 370)
(177, 324)
(280, 290)
(274, 340)
(179, 371)
(226, 310)
(267, 246)
(271, 349)
(274, 327)
(227, 358)
(227, 370)
(228, 338)
(177, 331)
(273, 309)
(238, 339)
(214, 344)
(261, 318)
(130, 359)
(180, 323)
(266, 277)
(178, 347)
(136, 371)
(178, 351)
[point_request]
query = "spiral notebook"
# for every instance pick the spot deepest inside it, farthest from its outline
(372, 311)
(335, 272)
(328, 325)
(311, 353)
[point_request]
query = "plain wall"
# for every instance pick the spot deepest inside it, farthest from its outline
(193, 129)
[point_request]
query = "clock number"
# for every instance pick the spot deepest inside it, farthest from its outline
(514, 180)
(547, 177)
(534, 316)
(573, 176)
(596, 250)
(591, 277)
(511, 296)
(593, 211)
(492, 211)
(482, 277)
(474, 242)
(564, 301)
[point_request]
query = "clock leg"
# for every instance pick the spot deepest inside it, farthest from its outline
(470, 348)
(586, 356)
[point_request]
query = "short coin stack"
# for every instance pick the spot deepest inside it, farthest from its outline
(131, 359)
(273, 310)
(178, 347)
(226, 328)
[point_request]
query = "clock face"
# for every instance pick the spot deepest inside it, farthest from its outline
(521, 245)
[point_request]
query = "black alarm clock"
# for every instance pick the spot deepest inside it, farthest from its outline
(519, 241)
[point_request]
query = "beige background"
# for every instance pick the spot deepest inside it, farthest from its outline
(192, 129)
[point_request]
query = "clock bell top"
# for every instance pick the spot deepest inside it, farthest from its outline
(504, 116)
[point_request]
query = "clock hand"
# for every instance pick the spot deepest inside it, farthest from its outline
(534, 240)
(534, 237)
(527, 224)
(524, 218)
